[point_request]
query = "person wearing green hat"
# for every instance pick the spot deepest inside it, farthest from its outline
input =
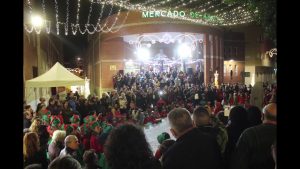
(69, 129)
(89, 119)
(46, 120)
(85, 136)
(96, 130)
(55, 124)
(161, 138)
(107, 128)
(75, 120)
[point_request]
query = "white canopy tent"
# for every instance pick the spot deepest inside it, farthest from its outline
(55, 77)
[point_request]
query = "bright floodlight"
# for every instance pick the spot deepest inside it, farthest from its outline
(129, 62)
(184, 51)
(143, 54)
(36, 21)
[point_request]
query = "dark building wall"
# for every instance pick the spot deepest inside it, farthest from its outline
(234, 46)
(40, 53)
(234, 56)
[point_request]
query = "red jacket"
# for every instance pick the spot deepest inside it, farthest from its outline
(241, 99)
(160, 103)
(157, 154)
(94, 144)
(86, 142)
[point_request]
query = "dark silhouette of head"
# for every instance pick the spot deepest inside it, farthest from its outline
(238, 117)
(90, 157)
(127, 148)
(254, 116)
(64, 162)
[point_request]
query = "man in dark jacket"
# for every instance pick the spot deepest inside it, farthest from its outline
(253, 149)
(203, 122)
(71, 147)
(193, 149)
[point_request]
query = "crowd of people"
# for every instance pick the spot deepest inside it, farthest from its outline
(107, 132)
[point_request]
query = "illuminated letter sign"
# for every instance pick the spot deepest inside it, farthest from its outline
(145, 14)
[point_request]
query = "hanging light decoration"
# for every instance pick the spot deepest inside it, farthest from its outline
(213, 13)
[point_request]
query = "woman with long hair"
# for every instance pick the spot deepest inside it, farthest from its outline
(31, 150)
(127, 148)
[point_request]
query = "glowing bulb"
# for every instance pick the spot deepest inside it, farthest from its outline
(36, 21)
(143, 54)
(184, 51)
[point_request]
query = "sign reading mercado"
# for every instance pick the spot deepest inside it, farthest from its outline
(157, 14)
(191, 14)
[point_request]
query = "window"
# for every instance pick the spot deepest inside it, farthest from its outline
(34, 71)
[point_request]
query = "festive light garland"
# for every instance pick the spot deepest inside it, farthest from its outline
(213, 13)
(47, 23)
(119, 27)
(67, 19)
(272, 52)
(115, 21)
(75, 26)
(166, 38)
(56, 17)
(219, 21)
(106, 21)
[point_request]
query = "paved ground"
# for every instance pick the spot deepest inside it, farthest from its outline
(154, 130)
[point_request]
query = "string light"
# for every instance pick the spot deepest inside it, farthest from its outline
(219, 14)
(122, 24)
(106, 21)
(75, 26)
(67, 19)
(115, 21)
(219, 20)
(99, 18)
(167, 38)
(56, 16)
(47, 23)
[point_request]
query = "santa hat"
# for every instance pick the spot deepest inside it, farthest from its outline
(75, 119)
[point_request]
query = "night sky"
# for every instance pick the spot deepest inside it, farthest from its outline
(73, 47)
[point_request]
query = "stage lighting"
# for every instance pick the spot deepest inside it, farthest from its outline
(143, 54)
(184, 51)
